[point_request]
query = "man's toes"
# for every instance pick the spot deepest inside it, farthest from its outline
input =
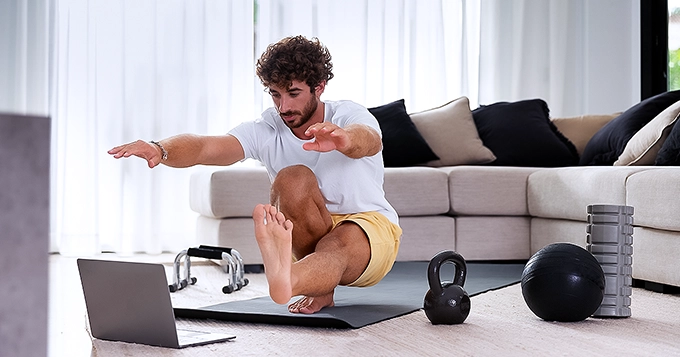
(280, 218)
(288, 225)
(259, 213)
(308, 305)
(313, 306)
(269, 216)
(298, 305)
(258, 210)
(308, 310)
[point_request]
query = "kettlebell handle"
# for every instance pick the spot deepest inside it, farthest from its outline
(434, 268)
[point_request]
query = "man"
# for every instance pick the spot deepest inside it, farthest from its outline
(328, 222)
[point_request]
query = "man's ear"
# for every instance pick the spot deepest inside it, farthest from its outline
(318, 90)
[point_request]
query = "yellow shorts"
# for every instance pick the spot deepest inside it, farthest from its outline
(383, 236)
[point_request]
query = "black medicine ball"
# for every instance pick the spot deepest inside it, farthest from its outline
(563, 282)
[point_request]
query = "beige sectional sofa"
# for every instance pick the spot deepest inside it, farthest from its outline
(483, 212)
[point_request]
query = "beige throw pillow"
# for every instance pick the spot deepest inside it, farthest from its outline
(580, 129)
(451, 133)
(642, 147)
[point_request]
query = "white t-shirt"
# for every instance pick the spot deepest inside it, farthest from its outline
(348, 185)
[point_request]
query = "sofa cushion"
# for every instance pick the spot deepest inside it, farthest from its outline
(402, 143)
(609, 142)
(546, 231)
(425, 236)
(490, 238)
(655, 256)
(581, 128)
(417, 191)
(452, 134)
(488, 191)
(654, 195)
(643, 147)
(521, 134)
(566, 192)
(231, 192)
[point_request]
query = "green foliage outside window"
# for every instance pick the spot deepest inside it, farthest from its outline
(673, 54)
(674, 69)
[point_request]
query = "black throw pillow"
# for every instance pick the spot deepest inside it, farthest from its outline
(605, 147)
(402, 143)
(669, 155)
(521, 134)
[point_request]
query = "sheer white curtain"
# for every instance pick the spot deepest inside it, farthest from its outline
(139, 69)
(24, 48)
(432, 51)
(384, 50)
(148, 69)
(532, 49)
(580, 56)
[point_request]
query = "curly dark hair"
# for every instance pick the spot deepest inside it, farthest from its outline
(295, 58)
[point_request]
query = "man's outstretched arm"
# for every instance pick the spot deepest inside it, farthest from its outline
(184, 150)
(355, 140)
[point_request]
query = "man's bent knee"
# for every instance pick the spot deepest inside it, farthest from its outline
(294, 174)
(293, 181)
(295, 191)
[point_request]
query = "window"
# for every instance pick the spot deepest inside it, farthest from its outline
(673, 44)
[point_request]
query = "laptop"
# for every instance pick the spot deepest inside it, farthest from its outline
(130, 302)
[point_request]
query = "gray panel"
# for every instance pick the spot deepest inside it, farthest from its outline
(24, 233)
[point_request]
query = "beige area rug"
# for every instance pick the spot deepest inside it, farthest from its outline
(500, 323)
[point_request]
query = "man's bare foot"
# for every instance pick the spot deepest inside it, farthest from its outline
(311, 304)
(273, 233)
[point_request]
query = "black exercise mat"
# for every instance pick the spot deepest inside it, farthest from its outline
(401, 292)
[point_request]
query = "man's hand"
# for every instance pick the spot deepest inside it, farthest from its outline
(355, 140)
(147, 151)
(327, 137)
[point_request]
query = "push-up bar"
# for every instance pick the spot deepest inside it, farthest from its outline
(229, 258)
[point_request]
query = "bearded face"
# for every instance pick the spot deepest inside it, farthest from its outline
(297, 118)
(298, 105)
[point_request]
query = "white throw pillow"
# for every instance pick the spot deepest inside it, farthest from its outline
(642, 147)
(451, 133)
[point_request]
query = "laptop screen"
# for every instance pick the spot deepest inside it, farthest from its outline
(128, 302)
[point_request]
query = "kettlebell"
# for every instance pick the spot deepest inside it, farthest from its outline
(448, 303)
